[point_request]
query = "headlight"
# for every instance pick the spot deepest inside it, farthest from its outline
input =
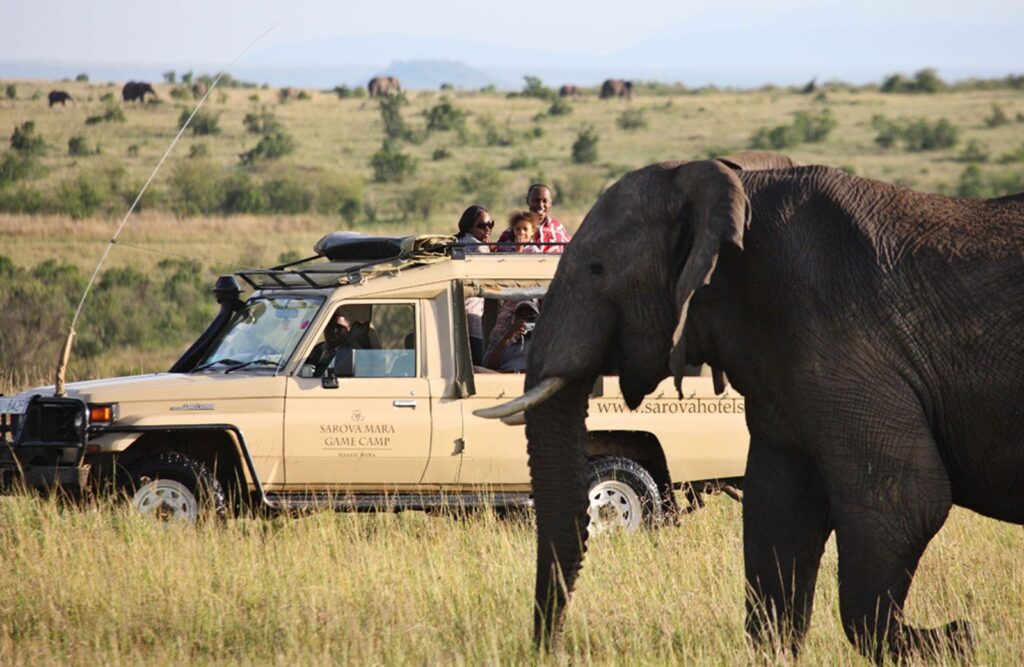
(102, 414)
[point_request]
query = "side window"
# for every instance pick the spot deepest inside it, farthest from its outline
(366, 340)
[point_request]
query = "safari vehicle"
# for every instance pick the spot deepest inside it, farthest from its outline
(246, 417)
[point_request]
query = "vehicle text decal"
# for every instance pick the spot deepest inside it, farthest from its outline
(690, 406)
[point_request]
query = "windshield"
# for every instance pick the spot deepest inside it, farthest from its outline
(262, 334)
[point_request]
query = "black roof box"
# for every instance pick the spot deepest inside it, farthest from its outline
(353, 246)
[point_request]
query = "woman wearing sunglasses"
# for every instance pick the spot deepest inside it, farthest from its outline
(475, 228)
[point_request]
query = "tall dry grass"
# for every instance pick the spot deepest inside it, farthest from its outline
(101, 586)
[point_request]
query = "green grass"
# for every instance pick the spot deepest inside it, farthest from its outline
(101, 586)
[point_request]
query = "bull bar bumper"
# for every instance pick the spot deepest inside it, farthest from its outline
(43, 440)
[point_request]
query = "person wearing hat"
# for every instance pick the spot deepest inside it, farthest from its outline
(509, 352)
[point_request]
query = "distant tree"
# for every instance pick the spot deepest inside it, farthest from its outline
(170, 76)
(83, 77)
(11, 91)
(584, 149)
(534, 87)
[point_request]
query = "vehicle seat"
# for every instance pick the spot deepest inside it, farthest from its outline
(364, 335)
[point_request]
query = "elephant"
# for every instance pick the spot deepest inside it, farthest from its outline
(380, 86)
(569, 90)
(876, 333)
(136, 90)
(59, 97)
(616, 88)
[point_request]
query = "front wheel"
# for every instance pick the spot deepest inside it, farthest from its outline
(622, 494)
(174, 488)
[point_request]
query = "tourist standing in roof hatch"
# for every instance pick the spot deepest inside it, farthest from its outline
(550, 230)
(474, 233)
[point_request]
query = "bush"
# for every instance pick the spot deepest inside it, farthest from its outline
(11, 91)
(534, 87)
(445, 117)
(973, 182)
(195, 188)
(578, 187)
(82, 197)
(924, 81)
(15, 166)
(482, 183)
(198, 151)
(112, 114)
(344, 92)
(25, 141)
(974, 152)
(270, 147)
(83, 77)
(584, 149)
(242, 194)
(1013, 157)
(303, 95)
(391, 165)
(495, 135)
(181, 93)
(805, 127)
(815, 129)
(421, 201)
(522, 161)
(77, 147)
(631, 119)
(289, 195)
(24, 199)
(917, 134)
(391, 114)
(559, 107)
(441, 154)
(340, 195)
(998, 117)
(203, 122)
(261, 121)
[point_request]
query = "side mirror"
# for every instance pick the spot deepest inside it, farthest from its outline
(329, 380)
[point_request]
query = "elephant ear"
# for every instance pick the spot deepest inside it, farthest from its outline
(713, 194)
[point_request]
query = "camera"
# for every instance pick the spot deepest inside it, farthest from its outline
(529, 326)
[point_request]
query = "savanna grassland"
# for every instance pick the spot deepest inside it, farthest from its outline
(100, 586)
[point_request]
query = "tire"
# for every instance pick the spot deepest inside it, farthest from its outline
(623, 496)
(174, 488)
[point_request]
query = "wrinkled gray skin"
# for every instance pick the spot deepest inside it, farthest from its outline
(380, 86)
(876, 333)
(136, 90)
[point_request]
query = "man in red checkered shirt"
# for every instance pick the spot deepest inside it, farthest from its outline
(538, 198)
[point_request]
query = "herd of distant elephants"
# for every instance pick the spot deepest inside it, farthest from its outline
(378, 86)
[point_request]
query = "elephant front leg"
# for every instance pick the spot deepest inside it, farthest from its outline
(785, 526)
(889, 498)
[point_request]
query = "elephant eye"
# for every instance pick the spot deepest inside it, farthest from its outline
(597, 269)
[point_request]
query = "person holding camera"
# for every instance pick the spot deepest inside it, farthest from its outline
(510, 348)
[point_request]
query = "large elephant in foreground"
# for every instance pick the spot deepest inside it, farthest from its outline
(380, 86)
(876, 333)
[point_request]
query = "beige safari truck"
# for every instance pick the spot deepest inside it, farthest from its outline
(260, 410)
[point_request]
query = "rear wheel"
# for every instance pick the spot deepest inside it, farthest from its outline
(171, 487)
(622, 494)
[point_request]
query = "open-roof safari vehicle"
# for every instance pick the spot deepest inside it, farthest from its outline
(245, 414)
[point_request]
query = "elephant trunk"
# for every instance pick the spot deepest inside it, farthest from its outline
(556, 434)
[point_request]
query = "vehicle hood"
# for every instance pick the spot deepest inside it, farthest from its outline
(169, 387)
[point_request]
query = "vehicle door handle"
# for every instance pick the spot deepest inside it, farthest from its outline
(404, 404)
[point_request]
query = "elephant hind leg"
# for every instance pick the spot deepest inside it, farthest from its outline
(785, 526)
(888, 499)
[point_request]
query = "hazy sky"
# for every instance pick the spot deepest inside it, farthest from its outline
(214, 31)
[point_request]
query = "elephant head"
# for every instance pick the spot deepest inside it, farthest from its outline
(598, 316)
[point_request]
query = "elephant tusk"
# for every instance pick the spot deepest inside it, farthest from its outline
(544, 390)
(518, 419)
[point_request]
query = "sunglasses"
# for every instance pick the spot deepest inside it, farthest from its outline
(485, 225)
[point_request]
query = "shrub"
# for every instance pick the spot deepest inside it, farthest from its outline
(81, 197)
(584, 149)
(559, 107)
(170, 76)
(495, 135)
(303, 95)
(23, 199)
(16, 167)
(242, 194)
(578, 187)
(203, 122)
(25, 141)
(631, 119)
(133, 150)
(340, 195)
(194, 188)
(806, 127)
(181, 93)
(1013, 156)
(261, 121)
(198, 151)
(112, 114)
(391, 165)
(522, 161)
(289, 195)
(534, 87)
(421, 201)
(83, 77)
(343, 92)
(270, 147)
(998, 117)
(441, 154)
(391, 114)
(974, 152)
(445, 116)
(77, 147)
(482, 183)
(11, 91)
(917, 134)
(924, 81)
(814, 129)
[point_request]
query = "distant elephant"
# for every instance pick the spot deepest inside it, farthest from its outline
(876, 333)
(285, 94)
(616, 88)
(380, 86)
(569, 90)
(199, 89)
(136, 90)
(59, 97)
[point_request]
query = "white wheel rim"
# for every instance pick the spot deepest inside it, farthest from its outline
(614, 505)
(166, 500)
